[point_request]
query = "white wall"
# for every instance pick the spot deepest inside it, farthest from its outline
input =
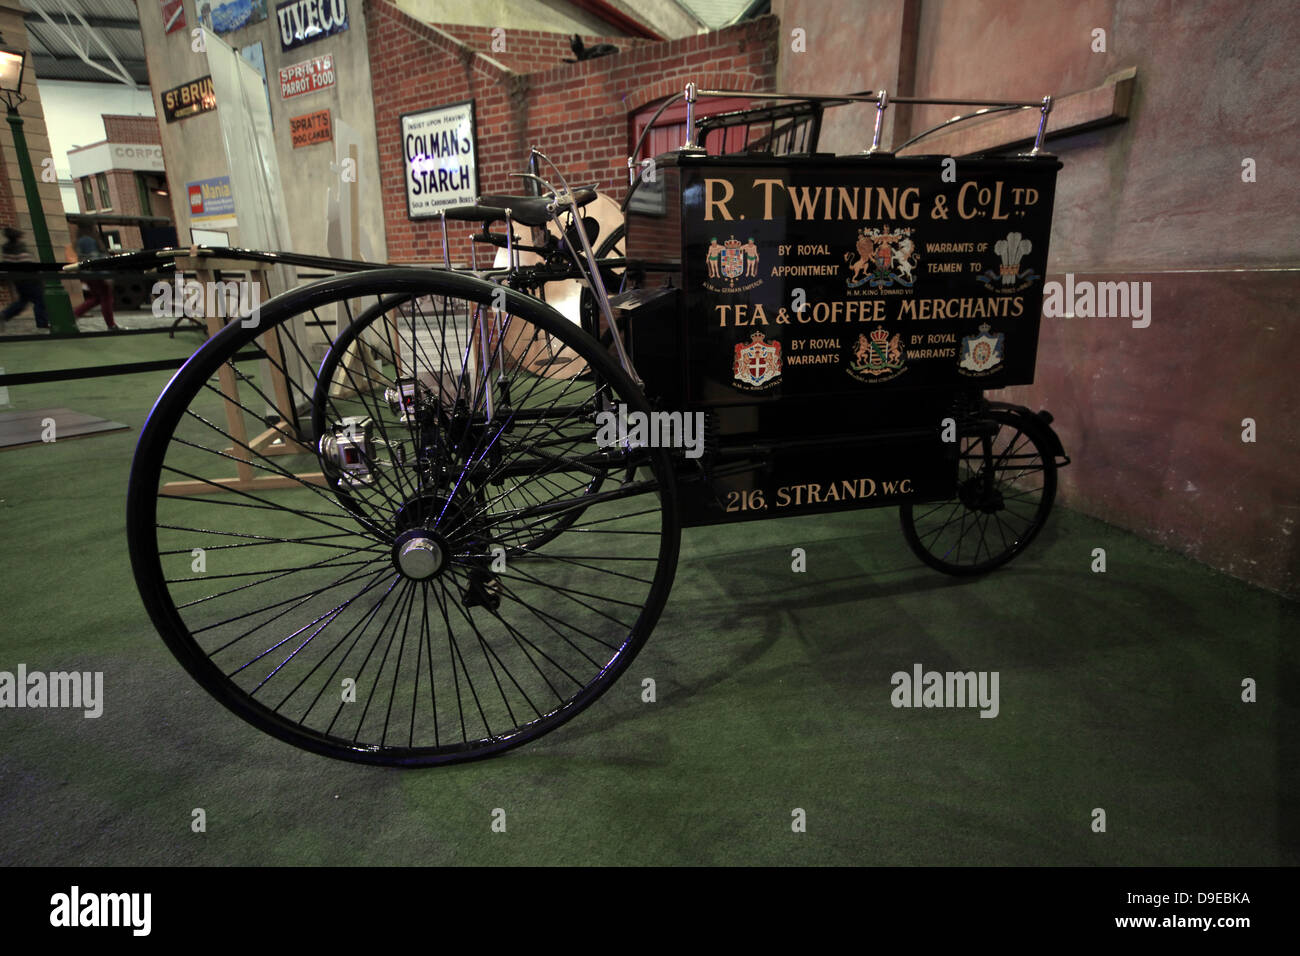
(72, 116)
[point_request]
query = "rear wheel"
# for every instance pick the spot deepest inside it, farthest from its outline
(401, 332)
(614, 246)
(374, 606)
(1006, 483)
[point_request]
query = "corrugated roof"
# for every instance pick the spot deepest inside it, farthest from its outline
(717, 13)
(114, 23)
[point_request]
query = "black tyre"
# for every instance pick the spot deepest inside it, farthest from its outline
(613, 246)
(389, 631)
(1006, 483)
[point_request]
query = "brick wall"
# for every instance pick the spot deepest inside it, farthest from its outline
(8, 212)
(123, 192)
(531, 51)
(126, 202)
(577, 113)
(122, 183)
(131, 129)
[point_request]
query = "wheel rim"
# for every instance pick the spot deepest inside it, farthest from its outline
(458, 642)
(1005, 486)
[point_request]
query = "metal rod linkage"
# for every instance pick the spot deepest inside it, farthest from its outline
(446, 249)
(1042, 126)
(690, 116)
(882, 104)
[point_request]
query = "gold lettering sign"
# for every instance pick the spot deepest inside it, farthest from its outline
(189, 99)
(816, 493)
(781, 200)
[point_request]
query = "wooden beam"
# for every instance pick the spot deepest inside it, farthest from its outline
(276, 440)
(1073, 113)
(262, 483)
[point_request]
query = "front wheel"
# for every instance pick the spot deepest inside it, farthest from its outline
(358, 591)
(1006, 483)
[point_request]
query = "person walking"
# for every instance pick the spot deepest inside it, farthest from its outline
(101, 290)
(28, 290)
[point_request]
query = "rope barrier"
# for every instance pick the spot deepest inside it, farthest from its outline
(103, 371)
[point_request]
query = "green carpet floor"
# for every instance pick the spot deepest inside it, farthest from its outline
(1119, 691)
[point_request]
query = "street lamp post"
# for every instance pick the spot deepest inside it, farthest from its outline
(57, 304)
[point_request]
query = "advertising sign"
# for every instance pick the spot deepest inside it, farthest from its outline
(310, 129)
(189, 99)
(231, 15)
(843, 278)
(173, 14)
(306, 21)
(309, 76)
(212, 203)
(441, 151)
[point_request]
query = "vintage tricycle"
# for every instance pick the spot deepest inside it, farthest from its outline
(417, 516)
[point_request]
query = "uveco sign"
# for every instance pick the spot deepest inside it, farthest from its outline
(305, 21)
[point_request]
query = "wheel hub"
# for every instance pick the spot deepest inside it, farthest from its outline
(421, 551)
(976, 496)
(420, 555)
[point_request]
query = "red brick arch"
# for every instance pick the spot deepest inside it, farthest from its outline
(667, 86)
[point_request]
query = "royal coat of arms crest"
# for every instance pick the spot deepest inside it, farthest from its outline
(981, 354)
(757, 365)
(885, 258)
(878, 358)
(731, 260)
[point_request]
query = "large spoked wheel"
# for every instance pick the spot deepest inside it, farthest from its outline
(1006, 483)
(362, 596)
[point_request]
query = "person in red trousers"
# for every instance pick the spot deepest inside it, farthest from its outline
(101, 290)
